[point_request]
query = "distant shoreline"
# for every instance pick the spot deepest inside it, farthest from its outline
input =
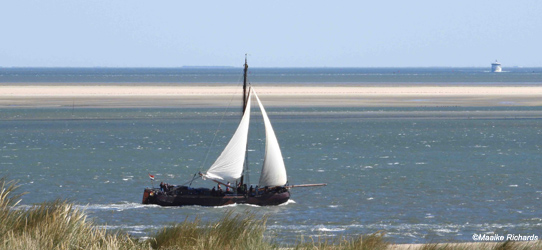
(272, 84)
(270, 67)
(312, 76)
(274, 95)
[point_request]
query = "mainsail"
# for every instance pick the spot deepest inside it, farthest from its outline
(229, 165)
(273, 170)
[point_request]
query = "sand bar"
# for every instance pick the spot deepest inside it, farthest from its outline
(300, 96)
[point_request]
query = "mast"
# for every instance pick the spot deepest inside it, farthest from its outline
(245, 85)
(245, 169)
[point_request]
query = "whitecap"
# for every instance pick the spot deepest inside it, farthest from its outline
(290, 201)
(227, 206)
(116, 207)
(324, 229)
(250, 205)
(135, 229)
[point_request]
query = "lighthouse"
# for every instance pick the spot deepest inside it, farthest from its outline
(496, 67)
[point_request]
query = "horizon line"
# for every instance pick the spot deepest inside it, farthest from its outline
(263, 67)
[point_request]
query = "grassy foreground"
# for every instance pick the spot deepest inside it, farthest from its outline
(58, 225)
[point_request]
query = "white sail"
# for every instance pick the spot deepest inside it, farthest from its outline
(229, 165)
(273, 170)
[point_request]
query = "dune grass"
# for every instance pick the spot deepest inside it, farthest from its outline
(58, 225)
(52, 225)
(231, 232)
(374, 241)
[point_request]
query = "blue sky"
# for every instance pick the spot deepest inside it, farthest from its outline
(165, 33)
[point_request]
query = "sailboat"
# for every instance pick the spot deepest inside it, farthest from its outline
(230, 167)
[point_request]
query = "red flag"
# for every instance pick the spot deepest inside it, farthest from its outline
(151, 176)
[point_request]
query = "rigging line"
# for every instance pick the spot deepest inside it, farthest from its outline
(259, 127)
(193, 178)
(218, 129)
(304, 191)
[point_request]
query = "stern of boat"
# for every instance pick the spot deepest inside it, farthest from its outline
(269, 199)
(148, 196)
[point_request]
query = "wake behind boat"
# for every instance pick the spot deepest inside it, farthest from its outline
(231, 167)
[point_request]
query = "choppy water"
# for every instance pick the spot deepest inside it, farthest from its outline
(420, 174)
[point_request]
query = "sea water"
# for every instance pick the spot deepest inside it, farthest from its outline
(311, 76)
(419, 174)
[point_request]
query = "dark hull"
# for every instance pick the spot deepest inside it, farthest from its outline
(155, 196)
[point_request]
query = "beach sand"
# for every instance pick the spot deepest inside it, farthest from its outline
(277, 96)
